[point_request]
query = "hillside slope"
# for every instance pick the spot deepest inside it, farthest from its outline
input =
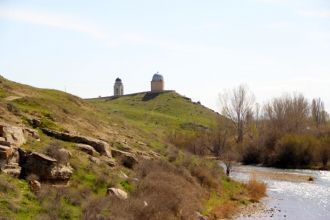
(135, 128)
(159, 114)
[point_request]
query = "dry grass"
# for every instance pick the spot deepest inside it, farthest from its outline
(257, 190)
(163, 191)
(224, 211)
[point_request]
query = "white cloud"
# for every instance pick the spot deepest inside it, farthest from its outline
(86, 27)
(322, 13)
(52, 20)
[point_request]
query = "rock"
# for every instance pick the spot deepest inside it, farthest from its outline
(61, 173)
(123, 175)
(126, 159)
(94, 160)
(100, 146)
(118, 193)
(28, 132)
(199, 216)
(35, 186)
(12, 169)
(12, 134)
(5, 153)
(109, 161)
(43, 166)
(34, 122)
(4, 142)
(87, 149)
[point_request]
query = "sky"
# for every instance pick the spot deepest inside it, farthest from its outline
(200, 47)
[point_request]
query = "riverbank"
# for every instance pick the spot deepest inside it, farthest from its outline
(290, 193)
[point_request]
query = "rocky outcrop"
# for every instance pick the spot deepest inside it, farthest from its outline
(12, 169)
(126, 159)
(11, 138)
(87, 149)
(118, 193)
(100, 146)
(12, 135)
(43, 166)
(6, 152)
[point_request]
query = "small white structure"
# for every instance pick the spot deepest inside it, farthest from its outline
(157, 83)
(118, 88)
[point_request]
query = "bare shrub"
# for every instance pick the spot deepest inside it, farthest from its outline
(53, 150)
(163, 192)
(293, 151)
(224, 211)
(257, 190)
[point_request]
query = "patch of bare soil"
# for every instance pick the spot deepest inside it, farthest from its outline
(12, 98)
(281, 176)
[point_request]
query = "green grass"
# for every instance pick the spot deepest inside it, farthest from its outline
(18, 202)
(165, 113)
(232, 192)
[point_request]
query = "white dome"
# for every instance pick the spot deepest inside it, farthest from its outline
(157, 77)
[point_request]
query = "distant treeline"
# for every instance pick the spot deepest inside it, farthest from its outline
(287, 132)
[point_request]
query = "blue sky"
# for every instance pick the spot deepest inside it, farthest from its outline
(200, 47)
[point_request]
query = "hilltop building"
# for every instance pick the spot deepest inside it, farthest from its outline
(157, 83)
(118, 88)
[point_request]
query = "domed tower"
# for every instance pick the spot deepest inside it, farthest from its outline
(118, 88)
(157, 83)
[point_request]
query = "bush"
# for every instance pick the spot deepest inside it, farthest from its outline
(324, 152)
(294, 151)
(53, 150)
(257, 190)
(251, 155)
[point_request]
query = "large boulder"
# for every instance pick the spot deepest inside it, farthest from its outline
(126, 159)
(118, 193)
(43, 166)
(13, 135)
(100, 146)
(87, 149)
(61, 173)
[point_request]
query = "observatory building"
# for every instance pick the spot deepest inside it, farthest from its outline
(118, 88)
(157, 83)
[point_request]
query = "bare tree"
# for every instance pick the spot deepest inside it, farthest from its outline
(288, 113)
(237, 106)
(318, 112)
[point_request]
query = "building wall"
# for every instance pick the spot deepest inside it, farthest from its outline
(157, 86)
(118, 89)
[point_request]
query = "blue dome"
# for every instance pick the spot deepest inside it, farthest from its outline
(157, 77)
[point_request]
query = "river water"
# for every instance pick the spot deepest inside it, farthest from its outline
(290, 197)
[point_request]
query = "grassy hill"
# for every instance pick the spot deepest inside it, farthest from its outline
(159, 114)
(140, 123)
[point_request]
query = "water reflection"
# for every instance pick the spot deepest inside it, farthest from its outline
(291, 199)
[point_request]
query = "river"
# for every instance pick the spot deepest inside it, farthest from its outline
(289, 193)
